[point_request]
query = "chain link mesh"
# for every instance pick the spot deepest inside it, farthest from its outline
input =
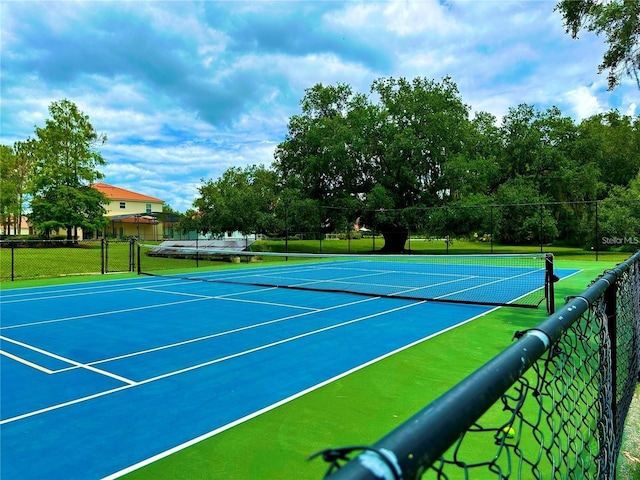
(31, 259)
(565, 417)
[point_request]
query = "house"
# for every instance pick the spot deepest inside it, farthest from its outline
(133, 214)
(24, 229)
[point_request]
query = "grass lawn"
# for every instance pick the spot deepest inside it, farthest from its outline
(60, 261)
(432, 247)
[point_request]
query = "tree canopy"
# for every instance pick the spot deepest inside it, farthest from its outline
(242, 199)
(409, 157)
(619, 21)
(347, 151)
(65, 164)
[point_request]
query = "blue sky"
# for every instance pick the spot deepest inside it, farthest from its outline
(185, 90)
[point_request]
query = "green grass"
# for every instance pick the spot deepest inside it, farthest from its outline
(58, 261)
(356, 409)
(629, 464)
(432, 247)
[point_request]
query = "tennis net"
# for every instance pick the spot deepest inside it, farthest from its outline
(498, 280)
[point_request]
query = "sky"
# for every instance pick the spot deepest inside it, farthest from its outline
(185, 90)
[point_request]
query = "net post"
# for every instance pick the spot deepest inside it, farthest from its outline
(549, 280)
(139, 266)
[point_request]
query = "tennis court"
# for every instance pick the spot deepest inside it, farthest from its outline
(100, 378)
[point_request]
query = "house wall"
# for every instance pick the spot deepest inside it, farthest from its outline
(24, 228)
(131, 228)
(121, 207)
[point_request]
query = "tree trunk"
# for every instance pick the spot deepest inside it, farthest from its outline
(394, 241)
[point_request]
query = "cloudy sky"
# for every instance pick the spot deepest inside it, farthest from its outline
(185, 90)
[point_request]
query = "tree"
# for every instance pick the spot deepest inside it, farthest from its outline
(478, 171)
(522, 218)
(374, 161)
(619, 21)
(619, 216)
(66, 164)
(323, 163)
(15, 170)
(241, 200)
(8, 190)
(613, 142)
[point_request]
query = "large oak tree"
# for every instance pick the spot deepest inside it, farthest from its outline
(375, 159)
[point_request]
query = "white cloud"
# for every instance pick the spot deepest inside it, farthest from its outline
(584, 102)
(413, 18)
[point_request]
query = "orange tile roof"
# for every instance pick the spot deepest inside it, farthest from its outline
(117, 193)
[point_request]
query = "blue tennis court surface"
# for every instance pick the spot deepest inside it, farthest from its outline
(98, 378)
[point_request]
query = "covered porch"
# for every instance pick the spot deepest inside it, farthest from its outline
(142, 226)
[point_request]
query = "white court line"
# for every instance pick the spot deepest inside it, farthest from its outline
(208, 363)
(7, 296)
(45, 289)
(134, 309)
(408, 288)
(228, 295)
(68, 360)
(279, 403)
(26, 362)
(79, 292)
(221, 334)
(98, 314)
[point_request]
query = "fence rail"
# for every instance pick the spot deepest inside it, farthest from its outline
(552, 405)
(30, 259)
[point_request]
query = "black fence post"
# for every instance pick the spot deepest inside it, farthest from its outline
(104, 256)
(132, 258)
(13, 261)
(197, 254)
(446, 229)
(596, 239)
(374, 232)
(491, 226)
(286, 229)
(610, 306)
(541, 227)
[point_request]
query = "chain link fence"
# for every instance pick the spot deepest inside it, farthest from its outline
(594, 226)
(551, 406)
(31, 259)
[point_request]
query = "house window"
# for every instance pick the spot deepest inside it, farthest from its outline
(123, 205)
(148, 208)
